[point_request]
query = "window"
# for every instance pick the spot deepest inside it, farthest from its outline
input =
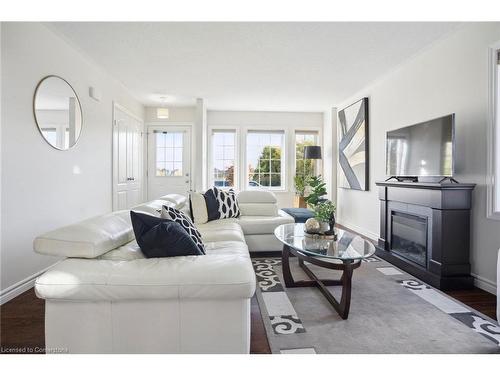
(224, 158)
(265, 157)
(493, 195)
(66, 139)
(169, 147)
(304, 167)
(50, 134)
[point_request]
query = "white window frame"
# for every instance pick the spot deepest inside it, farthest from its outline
(284, 158)
(288, 154)
(493, 149)
(318, 169)
(210, 174)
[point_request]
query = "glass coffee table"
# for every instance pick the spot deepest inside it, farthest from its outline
(344, 253)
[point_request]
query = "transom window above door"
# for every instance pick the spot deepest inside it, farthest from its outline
(264, 159)
(169, 149)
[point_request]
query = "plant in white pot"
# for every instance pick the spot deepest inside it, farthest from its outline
(324, 212)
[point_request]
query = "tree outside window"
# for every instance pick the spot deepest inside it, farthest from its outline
(304, 167)
(264, 156)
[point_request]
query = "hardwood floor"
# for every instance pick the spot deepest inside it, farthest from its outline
(478, 299)
(22, 326)
(258, 338)
(22, 320)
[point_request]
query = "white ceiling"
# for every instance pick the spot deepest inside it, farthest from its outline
(250, 66)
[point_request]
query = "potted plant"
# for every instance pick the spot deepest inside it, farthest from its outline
(300, 185)
(324, 212)
(314, 190)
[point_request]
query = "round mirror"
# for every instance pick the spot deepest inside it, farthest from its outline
(58, 113)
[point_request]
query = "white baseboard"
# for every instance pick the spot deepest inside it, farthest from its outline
(22, 286)
(479, 281)
(484, 284)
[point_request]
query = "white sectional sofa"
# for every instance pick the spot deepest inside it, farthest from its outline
(105, 297)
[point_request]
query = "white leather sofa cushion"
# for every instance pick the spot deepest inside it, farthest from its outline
(226, 248)
(263, 224)
(221, 223)
(178, 200)
(258, 209)
(199, 277)
(153, 207)
(221, 230)
(199, 210)
(89, 238)
(131, 250)
(263, 242)
(256, 196)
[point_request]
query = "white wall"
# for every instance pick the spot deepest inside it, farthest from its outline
(41, 186)
(290, 121)
(199, 153)
(330, 153)
(450, 76)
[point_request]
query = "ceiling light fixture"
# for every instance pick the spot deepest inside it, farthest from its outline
(162, 112)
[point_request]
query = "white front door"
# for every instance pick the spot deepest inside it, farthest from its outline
(127, 156)
(169, 161)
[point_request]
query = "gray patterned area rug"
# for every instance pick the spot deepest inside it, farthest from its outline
(391, 312)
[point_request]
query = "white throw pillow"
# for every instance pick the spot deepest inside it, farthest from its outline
(199, 211)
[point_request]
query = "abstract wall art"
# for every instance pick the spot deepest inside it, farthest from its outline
(353, 146)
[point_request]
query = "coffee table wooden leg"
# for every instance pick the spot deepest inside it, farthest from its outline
(342, 307)
(345, 299)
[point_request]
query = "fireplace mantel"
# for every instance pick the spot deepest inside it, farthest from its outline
(446, 209)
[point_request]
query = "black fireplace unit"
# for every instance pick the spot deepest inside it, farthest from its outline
(425, 230)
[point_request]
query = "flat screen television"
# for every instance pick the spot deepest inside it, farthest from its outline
(424, 149)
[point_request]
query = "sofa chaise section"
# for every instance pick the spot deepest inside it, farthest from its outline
(260, 216)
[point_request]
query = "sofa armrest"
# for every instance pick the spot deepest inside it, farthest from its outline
(223, 276)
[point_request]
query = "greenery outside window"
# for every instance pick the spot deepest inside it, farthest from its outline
(305, 167)
(265, 151)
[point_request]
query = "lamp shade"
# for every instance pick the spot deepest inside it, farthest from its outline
(312, 152)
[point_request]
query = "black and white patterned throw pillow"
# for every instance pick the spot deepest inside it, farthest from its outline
(228, 205)
(181, 218)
